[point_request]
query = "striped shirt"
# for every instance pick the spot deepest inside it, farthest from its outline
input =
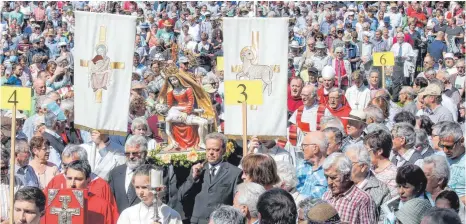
(311, 182)
(353, 206)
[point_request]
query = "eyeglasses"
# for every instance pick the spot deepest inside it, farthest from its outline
(135, 154)
(449, 147)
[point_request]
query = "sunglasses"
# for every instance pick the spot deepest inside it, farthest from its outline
(449, 147)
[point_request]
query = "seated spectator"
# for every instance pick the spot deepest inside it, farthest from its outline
(288, 180)
(403, 152)
(246, 197)
(261, 169)
(441, 216)
(315, 210)
(405, 116)
(226, 215)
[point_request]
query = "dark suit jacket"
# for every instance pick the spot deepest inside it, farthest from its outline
(117, 183)
(116, 180)
(207, 194)
(56, 143)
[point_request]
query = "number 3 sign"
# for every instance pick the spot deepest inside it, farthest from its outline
(384, 59)
(238, 91)
(19, 95)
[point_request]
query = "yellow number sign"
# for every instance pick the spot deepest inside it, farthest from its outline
(384, 59)
(19, 95)
(220, 64)
(238, 91)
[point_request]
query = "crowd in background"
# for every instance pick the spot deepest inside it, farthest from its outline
(362, 146)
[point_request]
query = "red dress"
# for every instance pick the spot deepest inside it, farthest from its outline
(185, 135)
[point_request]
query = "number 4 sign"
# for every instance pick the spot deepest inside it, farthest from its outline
(19, 95)
(244, 90)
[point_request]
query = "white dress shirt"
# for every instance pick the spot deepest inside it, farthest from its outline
(358, 98)
(129, 176)
(142, 214)
(406, 49)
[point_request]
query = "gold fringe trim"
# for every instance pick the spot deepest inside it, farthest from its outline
(268, 137)
(107, 132)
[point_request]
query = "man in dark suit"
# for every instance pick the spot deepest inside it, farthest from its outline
(212, 184)
(120, 177)
(55, 124)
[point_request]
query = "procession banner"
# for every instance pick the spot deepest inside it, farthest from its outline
(257, 49)
(103, 59)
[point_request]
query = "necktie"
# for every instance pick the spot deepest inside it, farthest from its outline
(130, 194)
(399, 51)
(212, 173)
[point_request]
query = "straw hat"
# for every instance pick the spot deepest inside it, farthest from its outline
(137, 85)
(356, 115)
(295, 44)
(167, 23)
(209, 88)
(431, 90)
(413, 211)
(347, 37)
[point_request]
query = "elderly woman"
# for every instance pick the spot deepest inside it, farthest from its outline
(365, 179)
(44, 170)
(261, 169)
(411, 182)
(289, 180)
(403, 151)
(139, 126)
(379, 144)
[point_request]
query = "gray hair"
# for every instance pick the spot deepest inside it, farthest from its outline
(338, 133)
(451, 129)
(409, 91)
(226, 214)
(331, 121)
(67, 104)
(361, 153)
(340, 161)
(249, 195)
(138, 142)
(218, 136)
(430, 72)
(21, 146)
(441, 168)
(50, 119)
(335, 89)
(437, 127)
(446, 75)
(40, 100)
(405, 130)
(386, 95)
(375, 113)
(51, 93)
(144, 170)
(140, 121)
(422, 140)
(287, 174)
(74, 150)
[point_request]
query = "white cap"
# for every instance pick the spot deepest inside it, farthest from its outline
(328, 72)
(449, 55)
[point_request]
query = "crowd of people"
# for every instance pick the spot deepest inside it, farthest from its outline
(364, 145)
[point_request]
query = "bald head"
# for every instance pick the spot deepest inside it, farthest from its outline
(308, 95)
(318, 139)
(39, 87)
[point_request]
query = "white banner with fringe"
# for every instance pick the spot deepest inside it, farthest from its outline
(103, 62)
(257, 49)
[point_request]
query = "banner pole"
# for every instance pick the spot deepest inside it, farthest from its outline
(383, 77)
(245, 128)
(12, 162)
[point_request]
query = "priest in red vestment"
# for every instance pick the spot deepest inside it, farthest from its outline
(294, 94)
(99, 210)
(336, 107)
(328, 75)
(97, 185)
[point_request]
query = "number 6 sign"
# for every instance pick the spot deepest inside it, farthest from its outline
(384, 59)
(21, 96)
(236, 92)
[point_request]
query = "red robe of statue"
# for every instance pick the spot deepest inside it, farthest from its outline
(98, 186)
(185, 135)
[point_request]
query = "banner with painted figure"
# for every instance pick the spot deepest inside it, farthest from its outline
(257, 49)
(103, 59)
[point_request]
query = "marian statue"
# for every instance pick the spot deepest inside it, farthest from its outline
(187, 109)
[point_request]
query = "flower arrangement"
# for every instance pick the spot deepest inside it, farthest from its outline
(186, 158)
